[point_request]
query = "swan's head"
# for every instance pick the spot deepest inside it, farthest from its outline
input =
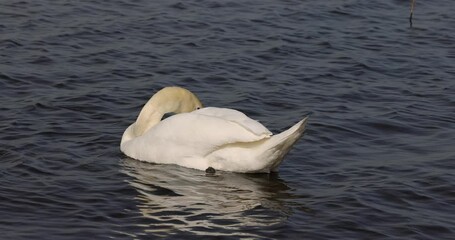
(176, 100)
(167, 100)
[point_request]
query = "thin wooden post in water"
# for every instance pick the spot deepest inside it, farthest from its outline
(412, 12)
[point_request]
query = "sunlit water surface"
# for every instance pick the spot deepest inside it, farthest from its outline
(377, 160)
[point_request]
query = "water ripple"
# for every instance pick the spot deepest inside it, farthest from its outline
(376, 160)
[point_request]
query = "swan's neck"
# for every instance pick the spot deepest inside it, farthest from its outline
(149, 116)
(167, 100)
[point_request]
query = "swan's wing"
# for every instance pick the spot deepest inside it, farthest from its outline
(213, 126)
(236, 117)
(199, 133)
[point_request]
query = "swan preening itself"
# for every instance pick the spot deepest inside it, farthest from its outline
(203, 138)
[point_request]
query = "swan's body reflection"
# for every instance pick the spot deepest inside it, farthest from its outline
(182, 199)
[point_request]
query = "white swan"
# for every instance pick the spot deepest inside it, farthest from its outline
(204, 138)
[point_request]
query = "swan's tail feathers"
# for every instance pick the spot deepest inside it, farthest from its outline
(279, 145)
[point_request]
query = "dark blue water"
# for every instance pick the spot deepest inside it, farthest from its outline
(377, 160)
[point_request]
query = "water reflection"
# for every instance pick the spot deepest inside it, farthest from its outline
(176, 199)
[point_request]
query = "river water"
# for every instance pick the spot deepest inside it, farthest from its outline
(376, 162)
